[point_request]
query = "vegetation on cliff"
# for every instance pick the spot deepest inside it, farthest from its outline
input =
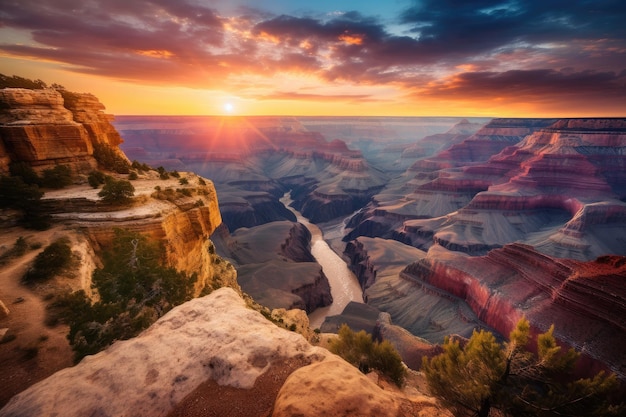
(483, 375)
(366, 354)
(134, 289)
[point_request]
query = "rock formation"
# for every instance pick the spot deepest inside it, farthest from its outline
(214, 361)
(586, 301)
(276, 268)
(42, 128)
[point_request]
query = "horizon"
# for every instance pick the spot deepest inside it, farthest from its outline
(405, 58)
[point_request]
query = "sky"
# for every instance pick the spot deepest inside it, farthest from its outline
(535, 58)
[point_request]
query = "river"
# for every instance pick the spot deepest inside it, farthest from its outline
(344, 285)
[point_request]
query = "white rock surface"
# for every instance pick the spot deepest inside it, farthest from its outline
(215, 337)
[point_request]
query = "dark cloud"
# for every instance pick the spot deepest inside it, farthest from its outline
(472, 26)
(565, 91)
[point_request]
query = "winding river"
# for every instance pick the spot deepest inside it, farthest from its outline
(344, 285)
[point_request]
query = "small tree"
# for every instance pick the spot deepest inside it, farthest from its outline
(363, 352)
(96, 178)
(51, 261)
(116, 191)
(472, 380)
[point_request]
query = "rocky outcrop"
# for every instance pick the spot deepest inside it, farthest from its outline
(198, 353)
(183, 225)
(276, 268)
(42, 128)
(412, 349)
(150, 374)
(584, 300)
(242, 208)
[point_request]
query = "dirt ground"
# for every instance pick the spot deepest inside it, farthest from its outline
(31, 351)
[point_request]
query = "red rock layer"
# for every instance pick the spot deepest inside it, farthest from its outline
(586, 301)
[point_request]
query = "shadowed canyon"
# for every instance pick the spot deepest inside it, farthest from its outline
(446, 225)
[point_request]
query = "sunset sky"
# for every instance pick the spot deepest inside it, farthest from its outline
(543, 58)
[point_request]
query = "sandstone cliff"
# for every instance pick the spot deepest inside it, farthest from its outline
(43, 129)
(218, 368)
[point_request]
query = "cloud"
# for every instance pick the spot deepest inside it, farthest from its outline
(438, 48)
(297, 96)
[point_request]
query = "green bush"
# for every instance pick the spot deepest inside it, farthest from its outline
(110, 159)
(362, 351)
(135, 290)
(16, 194)
(139, 166)
(116, 191)
(96, 178)
(50, 262)
(485, 376)
(133, 175)
(58, 177)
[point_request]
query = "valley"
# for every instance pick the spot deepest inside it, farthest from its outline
(441, 213)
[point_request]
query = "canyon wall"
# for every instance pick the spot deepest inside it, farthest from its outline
(584, 300)
(43, 129)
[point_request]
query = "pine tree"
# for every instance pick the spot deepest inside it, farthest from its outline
(485, 375)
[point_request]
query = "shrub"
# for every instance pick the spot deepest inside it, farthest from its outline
(183, 181)
(362, 351)
(58, 177)
(96, 178)
(19, 248)
(135, 290)
(16, 194)
(133, 176)
(110, 159)
(50, 262)
(201, 181)
(20, 82)
(116, 191)
(484, 375)
(175, 174)
(25, 172)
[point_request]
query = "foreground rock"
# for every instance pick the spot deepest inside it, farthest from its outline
(201, 344)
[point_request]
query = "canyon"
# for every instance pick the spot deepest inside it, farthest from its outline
(451, 225)
(466, 190)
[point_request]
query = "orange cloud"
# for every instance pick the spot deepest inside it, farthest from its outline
(351, 39)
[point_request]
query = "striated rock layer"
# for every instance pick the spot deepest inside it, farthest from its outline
(43, 129)
(276, 268)
(586, 301)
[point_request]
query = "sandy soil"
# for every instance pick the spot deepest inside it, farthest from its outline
(213, 400)
(37, 350)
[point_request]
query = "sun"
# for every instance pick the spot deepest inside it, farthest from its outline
(229, 108)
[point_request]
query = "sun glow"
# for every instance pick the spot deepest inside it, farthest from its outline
(229, 108)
